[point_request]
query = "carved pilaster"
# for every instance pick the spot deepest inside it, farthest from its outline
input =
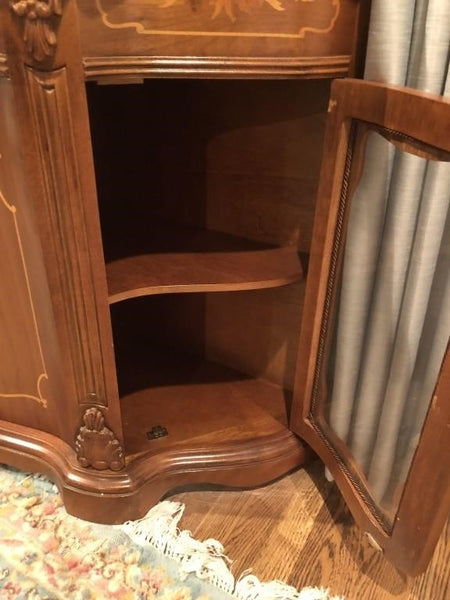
(39, 29)
(64, 209)
(96, 445)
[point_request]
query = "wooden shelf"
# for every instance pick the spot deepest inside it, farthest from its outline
(196, 260)
(201, 404)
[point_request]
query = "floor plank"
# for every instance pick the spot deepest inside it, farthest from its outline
(298, 530)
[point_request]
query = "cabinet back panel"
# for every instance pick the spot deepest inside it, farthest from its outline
(236, 156)
(33, 381)
(256, 332)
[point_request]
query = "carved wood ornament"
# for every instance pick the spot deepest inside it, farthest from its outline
(96, 445)
(39, 27)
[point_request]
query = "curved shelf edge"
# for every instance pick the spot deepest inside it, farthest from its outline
(150, 274)
(114, 497)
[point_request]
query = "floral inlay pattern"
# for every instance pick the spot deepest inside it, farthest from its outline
(237, 12)
(231, 7)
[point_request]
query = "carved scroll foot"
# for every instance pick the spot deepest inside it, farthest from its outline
(96, 445)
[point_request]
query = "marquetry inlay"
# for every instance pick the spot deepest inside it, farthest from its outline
(231, 10)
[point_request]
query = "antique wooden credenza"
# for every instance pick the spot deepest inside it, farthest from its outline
(158, 175)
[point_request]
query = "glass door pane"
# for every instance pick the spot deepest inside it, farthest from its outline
(390, 313)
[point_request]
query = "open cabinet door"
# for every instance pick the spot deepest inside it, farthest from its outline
(372, 394)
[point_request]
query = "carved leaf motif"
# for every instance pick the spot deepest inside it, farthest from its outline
(96, 445)
(39, 35)
(94, 419)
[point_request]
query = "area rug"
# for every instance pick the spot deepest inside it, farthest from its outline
(46, 554)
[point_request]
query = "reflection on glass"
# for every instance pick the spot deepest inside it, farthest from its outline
(390, 322)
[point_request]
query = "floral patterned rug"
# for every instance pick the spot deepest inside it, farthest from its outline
(47, 554)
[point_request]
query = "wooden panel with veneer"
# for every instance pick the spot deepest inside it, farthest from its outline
(31, 378)
(256, 332)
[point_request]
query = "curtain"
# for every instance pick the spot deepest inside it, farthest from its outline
(393, 320)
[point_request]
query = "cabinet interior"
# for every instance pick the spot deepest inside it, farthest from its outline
(206, 192)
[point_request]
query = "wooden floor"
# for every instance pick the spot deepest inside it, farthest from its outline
(299, 531)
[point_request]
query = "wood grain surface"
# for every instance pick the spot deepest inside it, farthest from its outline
(256, 332)
(299, 531)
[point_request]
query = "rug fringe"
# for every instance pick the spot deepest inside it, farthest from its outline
(207, 560)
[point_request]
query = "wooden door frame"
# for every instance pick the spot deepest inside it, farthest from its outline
(421, 516)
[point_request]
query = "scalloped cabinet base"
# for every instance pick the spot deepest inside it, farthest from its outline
(114, 497)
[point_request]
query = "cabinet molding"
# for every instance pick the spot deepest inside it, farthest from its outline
(110, 67)
(65, 214)
(39, 28)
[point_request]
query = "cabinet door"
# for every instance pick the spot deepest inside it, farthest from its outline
(373, 378)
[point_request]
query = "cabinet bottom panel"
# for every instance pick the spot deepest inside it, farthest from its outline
(199, 404)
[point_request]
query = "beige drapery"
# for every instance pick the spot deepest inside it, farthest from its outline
(393, 322)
